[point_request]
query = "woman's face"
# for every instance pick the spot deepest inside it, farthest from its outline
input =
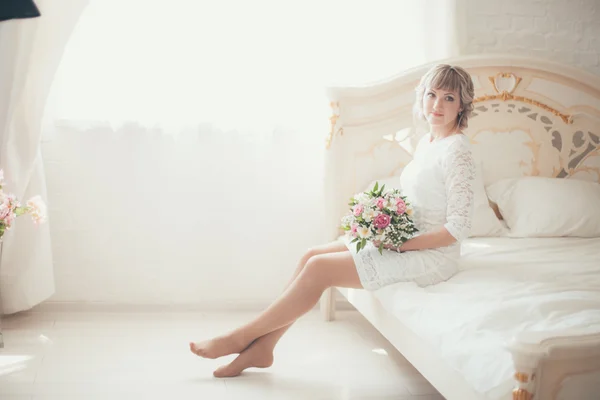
(441, 107)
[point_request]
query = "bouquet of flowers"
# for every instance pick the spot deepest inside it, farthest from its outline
(11, 208)
(379, 216)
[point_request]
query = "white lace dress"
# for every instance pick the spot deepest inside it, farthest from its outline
(438, 183)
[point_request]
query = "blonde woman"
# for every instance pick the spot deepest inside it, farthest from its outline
(439, 184)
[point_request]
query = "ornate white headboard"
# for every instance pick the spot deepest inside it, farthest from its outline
(532, 117)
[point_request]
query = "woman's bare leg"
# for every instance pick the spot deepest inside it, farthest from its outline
(321, 272)
(260, 353)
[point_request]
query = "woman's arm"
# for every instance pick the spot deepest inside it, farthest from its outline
(429, 240)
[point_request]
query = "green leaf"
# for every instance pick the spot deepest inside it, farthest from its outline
(381, 249)
(376, 186)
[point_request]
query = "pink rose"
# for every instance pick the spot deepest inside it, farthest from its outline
(381, 221)
(358, 209)
(380, 203)
(354, 229)
(400, 206)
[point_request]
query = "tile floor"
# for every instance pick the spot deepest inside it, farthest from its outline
(124, 355)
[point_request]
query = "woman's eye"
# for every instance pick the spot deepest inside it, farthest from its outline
(430, 94)
(449, 98)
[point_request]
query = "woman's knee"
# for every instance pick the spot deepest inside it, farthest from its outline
(308, 254)
(332, 247)
(312, 253)
(314, 272)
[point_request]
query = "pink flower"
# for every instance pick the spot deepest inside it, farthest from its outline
(4, 211)
(358, 209)
(400, 206)
(8, 221)
(37, 209)
(381, 221)
(11, 202)
(380, 203)
(354, 229)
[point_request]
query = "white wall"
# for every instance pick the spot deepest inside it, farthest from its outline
(137, 217)
(565, 31)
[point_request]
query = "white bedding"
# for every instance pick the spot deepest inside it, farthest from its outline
(506, 286)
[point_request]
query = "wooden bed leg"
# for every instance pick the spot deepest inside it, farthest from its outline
(526, 360)
(524, 384)
(328, 304)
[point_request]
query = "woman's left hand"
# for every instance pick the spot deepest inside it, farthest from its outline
(387, 246)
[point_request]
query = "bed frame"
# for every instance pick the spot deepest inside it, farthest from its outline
(532, 118)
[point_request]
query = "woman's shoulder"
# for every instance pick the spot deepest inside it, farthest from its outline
(459, 140)
(458, 147)
(461, 136)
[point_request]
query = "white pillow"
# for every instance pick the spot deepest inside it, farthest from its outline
(548, 207)
(484, 222)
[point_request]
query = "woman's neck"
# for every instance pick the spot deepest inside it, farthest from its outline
(440, 132)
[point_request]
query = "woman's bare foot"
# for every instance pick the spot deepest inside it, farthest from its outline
(257, 355)
(218, 347)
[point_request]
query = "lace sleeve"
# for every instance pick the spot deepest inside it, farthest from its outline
(459, 174)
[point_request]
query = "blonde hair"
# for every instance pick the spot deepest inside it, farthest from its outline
(451, 78)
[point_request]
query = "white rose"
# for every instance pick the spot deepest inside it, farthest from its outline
(369, 214)
(363, 232)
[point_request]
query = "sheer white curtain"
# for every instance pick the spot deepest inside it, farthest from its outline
(30, 51)
(185, 138)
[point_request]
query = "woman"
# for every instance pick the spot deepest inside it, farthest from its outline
(439, 184)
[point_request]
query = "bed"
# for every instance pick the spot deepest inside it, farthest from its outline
(521, 319)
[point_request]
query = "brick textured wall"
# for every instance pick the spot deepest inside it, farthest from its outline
(566, 31)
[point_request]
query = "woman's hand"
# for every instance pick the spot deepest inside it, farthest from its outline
(429, 240)
(387, 246)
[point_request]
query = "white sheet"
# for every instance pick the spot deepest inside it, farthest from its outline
(506, 286)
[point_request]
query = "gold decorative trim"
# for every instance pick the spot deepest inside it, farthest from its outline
(335, 108)
(521, 377)
(499, 83)
(504, 78)
(587, 169)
